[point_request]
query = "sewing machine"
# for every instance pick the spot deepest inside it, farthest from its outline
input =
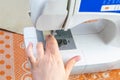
(89, 28)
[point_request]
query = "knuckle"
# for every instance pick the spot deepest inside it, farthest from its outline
(39, 45)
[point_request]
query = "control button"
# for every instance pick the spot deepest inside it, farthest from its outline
(64, 42)
(59, 42)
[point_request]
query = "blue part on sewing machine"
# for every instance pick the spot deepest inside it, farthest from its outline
(100, 6)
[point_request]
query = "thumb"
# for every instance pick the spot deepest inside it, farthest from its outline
(70, 63)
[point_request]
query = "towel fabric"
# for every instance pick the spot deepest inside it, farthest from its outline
(14, 64)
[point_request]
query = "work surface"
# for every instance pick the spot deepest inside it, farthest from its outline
(14, 66)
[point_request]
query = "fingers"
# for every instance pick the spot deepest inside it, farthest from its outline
(51, 44)
(29, 51)
(70, 63)
(40, 50)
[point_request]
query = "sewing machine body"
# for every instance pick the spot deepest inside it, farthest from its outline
(93, 34)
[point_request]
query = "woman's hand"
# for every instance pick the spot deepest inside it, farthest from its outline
(49, 65)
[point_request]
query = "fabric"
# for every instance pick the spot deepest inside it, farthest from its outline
(14, 63)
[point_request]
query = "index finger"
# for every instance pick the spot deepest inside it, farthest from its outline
(52, 45)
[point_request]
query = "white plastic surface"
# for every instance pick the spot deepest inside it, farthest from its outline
(98, 55)
(30, 36)
(48, 14)
(36, 7)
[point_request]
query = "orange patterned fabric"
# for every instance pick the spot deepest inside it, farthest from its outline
(14, 64)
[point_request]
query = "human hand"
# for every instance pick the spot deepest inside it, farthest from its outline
(49, 65)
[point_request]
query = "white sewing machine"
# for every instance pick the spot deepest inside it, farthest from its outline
(89, 28)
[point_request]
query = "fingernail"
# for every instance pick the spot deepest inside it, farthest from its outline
(49, 36)
(77, 58)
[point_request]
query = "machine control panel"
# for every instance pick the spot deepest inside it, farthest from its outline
(65, 40)
(100, 6)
